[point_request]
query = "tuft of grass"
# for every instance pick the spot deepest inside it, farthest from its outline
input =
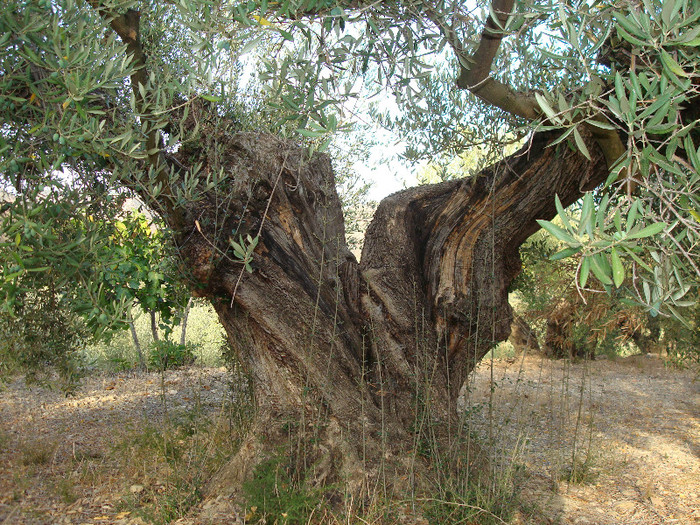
(21, 481)
(165, 355)
(161, 504)
(273, 495)
(172, 461)
(481, 492)
(65, 490)
(580, 471)
(502, 350)
(37, 453)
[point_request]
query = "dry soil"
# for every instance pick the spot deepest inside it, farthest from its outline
(609, 442)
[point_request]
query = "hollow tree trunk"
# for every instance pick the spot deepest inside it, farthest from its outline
(354, 359)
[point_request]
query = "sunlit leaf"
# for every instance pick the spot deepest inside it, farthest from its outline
(559, 233)
(648, 231)
(563, 254)
(672, 65)
(586, 220)
(561, 212)
(601, 268)
(581, 144)
(618, 270)
(585, 270)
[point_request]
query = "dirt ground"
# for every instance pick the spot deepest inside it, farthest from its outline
(636, 445)
(633, 457)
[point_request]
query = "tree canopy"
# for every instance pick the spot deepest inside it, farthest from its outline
(102, 90)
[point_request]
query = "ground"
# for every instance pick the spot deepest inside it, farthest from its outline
(104, 455)
(637, 443)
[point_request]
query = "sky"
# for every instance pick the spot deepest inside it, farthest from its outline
(383, 168)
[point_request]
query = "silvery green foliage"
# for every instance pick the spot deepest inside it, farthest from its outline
(68, 105)
(643, 229)
(629, 67)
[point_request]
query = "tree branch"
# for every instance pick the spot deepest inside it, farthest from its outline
(127, 27)
(475, 76)
(475, 70)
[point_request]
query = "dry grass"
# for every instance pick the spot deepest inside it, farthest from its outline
(115, 450)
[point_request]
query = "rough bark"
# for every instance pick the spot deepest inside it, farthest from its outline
(352, 358)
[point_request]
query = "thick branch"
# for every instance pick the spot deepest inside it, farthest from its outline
(458, 243)
(610, 144)
(475, 76)
(475, 70)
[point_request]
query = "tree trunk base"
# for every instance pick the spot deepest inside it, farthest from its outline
(314, 458)
(318, 466)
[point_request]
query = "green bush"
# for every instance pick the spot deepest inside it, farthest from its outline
(40, 338)
(205, 336)
(166, 354)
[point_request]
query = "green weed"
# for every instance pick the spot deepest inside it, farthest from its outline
(166, 354)
(172, 461)
(21, 481)
(204, 338)
(580, 471)
(65, 489)
(476, 492)
(273, 495)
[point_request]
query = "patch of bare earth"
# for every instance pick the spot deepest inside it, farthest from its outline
(63, 459)
(633, 456)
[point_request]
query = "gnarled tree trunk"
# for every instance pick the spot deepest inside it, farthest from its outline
(352, 358)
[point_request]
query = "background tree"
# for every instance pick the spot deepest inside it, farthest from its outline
(145, 278)
(348, 356)
(571, 322)
(104, 261)
(54, 259)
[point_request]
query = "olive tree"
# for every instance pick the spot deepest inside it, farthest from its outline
(359, 359)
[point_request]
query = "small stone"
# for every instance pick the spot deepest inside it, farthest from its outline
(625, 507)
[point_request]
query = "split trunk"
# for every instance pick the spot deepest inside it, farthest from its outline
(355, 362)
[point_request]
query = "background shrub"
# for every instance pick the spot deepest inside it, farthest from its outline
(167, 354)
